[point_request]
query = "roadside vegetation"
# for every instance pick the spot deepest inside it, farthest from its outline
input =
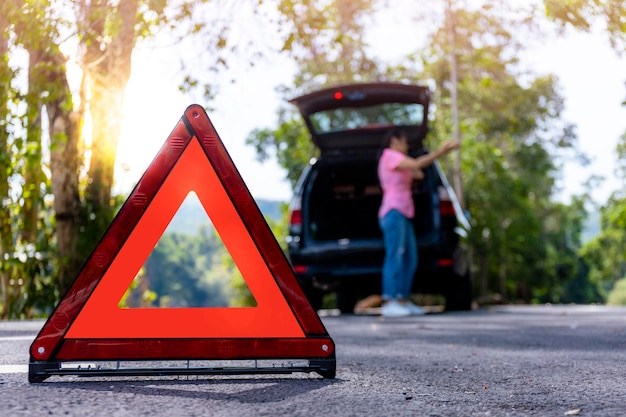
(58, 138)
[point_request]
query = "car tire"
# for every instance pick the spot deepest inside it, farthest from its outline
(459, 296)
(345, 300)
(313, 294)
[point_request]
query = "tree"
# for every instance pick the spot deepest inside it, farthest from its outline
(6, 227)
(605, 254)
(512, 133)
(582, 14)
(43, 147)
(618, 294)
(326, 40)
(525, 245)
(27, 224)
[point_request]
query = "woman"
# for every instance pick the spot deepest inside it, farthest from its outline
(396, 173)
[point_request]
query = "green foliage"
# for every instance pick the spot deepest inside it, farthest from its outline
(27, 246)
(617, 296)
(139, 294)
(289, 143)
(191, 267)
(184, 271)
(513, 136)
(31, 89)
(582, 14)
(30, 289)
(524, 244)
(604, 254)
(279, 224)
(326, 39)
(194, 270)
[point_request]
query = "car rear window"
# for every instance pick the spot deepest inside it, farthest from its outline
(351, 118)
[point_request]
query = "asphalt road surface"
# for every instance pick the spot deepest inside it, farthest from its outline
(499, 361)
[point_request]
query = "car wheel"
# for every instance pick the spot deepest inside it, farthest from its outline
(313, 294)
(345, 300)
(459, 296)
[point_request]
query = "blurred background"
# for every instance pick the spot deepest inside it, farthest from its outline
(534, 90)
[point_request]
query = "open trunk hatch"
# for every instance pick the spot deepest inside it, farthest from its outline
(343, 202)
(357, 116)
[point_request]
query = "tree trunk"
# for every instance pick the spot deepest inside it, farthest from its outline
(33, 175)
(6, 233)
(65, 161)
(482, 275)
(502, 275)
(458, 183)
(48, 86)
(108, 71)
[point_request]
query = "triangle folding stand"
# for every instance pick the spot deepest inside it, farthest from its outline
(89, 334)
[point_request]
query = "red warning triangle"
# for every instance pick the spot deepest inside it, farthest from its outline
(88, 323)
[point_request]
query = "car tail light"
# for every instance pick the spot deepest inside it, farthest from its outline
(299, 269)
(446, 208)
(295, 218)
(295, 212)
(445, 262)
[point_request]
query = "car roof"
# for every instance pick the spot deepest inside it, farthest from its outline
(360, 96)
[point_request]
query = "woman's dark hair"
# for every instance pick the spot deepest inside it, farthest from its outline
(393, 133)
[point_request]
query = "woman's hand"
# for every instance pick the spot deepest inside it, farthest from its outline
(448, 146)
(427, 159)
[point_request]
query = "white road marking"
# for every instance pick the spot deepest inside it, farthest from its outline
(16, 338)
(13, 369)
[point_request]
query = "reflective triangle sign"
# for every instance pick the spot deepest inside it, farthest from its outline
(89, 325)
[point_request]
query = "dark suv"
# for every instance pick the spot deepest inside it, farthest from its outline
(334, 242)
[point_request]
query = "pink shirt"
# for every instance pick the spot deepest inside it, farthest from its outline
(396, 184)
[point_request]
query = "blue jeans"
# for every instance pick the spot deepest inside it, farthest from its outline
(400, 261)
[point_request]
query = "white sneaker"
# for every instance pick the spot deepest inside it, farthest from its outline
(414, 309)
(393, 308)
